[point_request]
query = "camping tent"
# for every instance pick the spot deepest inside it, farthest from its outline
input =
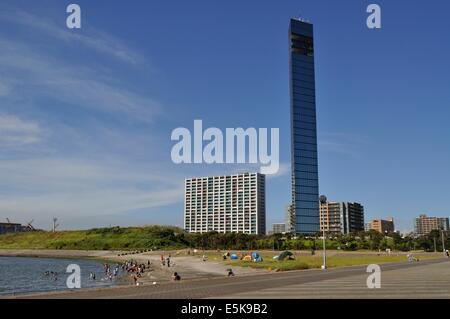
(285, 255)
(256, 257)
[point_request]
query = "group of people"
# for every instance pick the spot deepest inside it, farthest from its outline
(109, 272)
(134, 267)
(165, 261)
(129, 266)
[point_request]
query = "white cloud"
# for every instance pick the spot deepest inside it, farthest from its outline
(284, 169)
(41, 188)
(15, 131)
(92, 39)
(85, 204)
(62, 174)
(42, 75)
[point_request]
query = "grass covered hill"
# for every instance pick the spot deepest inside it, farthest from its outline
(98, 239)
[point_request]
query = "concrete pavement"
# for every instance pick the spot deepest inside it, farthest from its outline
(418, 282)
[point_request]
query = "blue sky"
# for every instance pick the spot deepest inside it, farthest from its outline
(86, 115)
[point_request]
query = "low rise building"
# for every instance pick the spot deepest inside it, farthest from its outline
(383, 226)
(10, 228)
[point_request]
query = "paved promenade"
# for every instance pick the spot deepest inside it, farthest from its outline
(420, 281)
(424, 279)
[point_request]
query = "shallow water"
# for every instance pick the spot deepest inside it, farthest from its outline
(22, 274)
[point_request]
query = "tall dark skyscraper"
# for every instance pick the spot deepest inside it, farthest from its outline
(305, 180)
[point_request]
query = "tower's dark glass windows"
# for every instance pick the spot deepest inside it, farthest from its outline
(305, 181)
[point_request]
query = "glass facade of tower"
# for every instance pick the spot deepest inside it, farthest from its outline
(305, 181)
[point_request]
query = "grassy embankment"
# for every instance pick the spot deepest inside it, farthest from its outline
(97, 239)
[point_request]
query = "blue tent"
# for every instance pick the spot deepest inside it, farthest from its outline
(234, 256)
(256, 257)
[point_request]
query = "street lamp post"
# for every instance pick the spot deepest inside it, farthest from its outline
(323, 201)
(443, 243)
(324, 266)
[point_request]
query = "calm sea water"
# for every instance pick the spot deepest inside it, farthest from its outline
(22, 275)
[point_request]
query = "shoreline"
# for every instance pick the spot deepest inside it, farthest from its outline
(49, 253)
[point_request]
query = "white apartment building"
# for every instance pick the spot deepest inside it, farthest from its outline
(233, 203)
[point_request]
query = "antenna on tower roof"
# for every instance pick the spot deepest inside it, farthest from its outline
(301, 19)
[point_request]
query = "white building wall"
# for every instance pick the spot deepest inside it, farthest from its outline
(234, 203)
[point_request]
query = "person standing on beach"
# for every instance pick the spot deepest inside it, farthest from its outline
(168, 261)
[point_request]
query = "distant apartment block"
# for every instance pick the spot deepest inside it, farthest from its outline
(234, 203)
(341, 218)
(290, 219)
(382, 226)
(424, 224)
(330, 217)
(279, 228)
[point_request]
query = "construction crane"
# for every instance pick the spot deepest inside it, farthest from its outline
(7, 220)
